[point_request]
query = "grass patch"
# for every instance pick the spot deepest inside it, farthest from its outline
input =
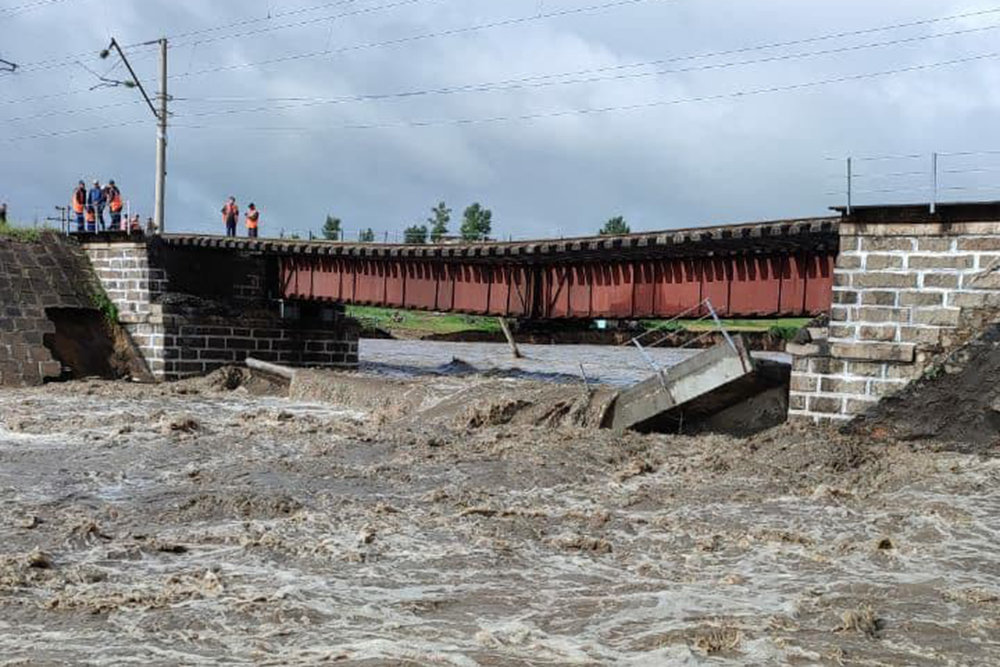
(27, 234)
(783, 327)
(105, 305)
(390, 319)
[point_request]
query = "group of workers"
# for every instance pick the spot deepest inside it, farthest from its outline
(231, 215)
(88, 209)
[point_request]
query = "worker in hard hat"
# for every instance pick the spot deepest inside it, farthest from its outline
(115, 205)
(79, 205)
(96, 201)
(230, 215)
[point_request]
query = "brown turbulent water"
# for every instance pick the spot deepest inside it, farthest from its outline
(471, 520)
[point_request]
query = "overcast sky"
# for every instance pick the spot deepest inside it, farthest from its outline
(270, 114)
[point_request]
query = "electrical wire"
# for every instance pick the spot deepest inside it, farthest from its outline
(305, 22)
(619, 108)
(512, 81)
(505, 86)
(565, 112)
(7, 12)
(82, 130)
(451, 32)
(56, 63)
(607, 5)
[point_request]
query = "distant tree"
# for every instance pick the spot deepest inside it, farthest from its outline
(615, 226)
(294, 236)
(477, 223)
(331, 230)
(415, 234)
(366, 236)
(440, 217)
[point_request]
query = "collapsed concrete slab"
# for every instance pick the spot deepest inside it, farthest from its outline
(707, 385)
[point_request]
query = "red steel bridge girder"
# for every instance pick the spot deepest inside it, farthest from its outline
(750, 285)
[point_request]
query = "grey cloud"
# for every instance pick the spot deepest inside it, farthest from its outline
(667, 166)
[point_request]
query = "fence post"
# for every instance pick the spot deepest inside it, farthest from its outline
(934, 182)
(850, 180)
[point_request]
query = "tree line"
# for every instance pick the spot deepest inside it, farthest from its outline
(477, 225)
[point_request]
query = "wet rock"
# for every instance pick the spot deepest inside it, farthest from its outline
(39, 560)
(181, 424)
(583, 543)
(29, 522)
(718, 640)
(634, 469)
(885, 544)
(862, 620)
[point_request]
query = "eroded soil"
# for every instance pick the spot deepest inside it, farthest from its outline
(196, 523)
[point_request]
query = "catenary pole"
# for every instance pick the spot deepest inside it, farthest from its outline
(159, 219)
(161, 123)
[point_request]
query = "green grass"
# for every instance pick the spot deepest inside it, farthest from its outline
(29, 234)
(391, 319)
(773, 324)
(104, 304)
(417, 321)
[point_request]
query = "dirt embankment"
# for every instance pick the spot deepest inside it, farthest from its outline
(443, 521)
(955, 402)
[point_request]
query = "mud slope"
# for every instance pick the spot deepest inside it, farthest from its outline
(956, 402)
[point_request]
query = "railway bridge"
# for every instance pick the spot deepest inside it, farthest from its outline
(758, 269)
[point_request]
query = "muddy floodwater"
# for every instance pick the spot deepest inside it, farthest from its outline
(618, 365)
(471, 520)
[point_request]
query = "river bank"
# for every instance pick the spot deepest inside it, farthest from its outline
(768, 334)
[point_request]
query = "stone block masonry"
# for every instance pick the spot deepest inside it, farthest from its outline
(191, 312)
(908, 287)
(51, 272)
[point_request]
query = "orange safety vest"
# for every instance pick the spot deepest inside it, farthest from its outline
(91, 216)
(230, 209)
(116, 202)
(79, 200)
(252, 218)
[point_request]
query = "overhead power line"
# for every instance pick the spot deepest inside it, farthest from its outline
(450, 32)
(616, 108)
(578, 10)
(533, 82)
(589, 111)
(251, 21)
(6, 12)
(72, 60)
(297, 24)
(80, 130)
(536, 81)
(65, 61)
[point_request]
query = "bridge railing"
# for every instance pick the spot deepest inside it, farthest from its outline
(709, 314)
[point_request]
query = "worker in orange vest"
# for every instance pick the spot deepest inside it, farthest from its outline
(115, 205)
(79, 203)
(253, 219)
(230, 215)
(91, 220)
